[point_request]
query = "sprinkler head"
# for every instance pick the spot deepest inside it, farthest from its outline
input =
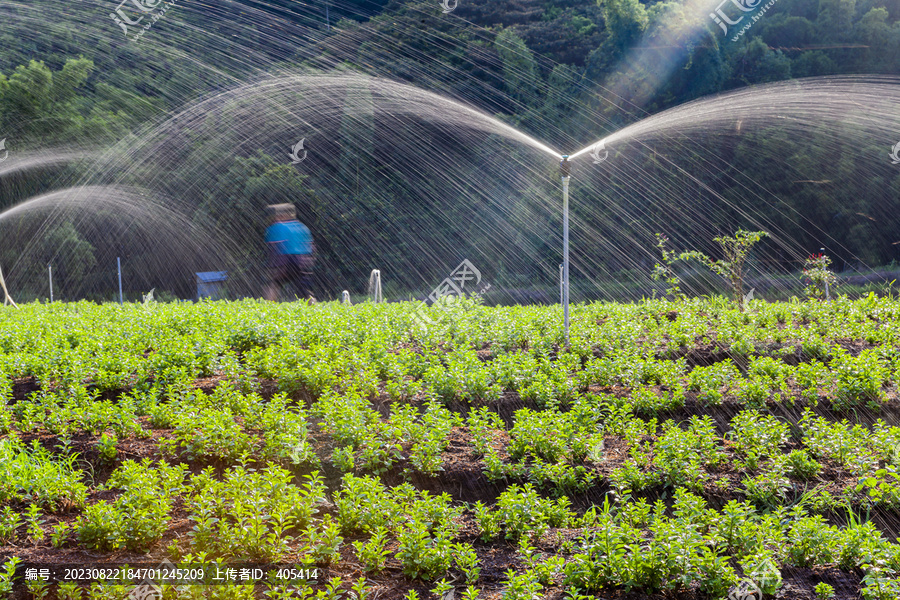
(564, 165)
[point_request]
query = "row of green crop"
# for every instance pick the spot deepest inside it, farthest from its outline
(635, 546)
(347, 358)
(114, 348)
(553, 448)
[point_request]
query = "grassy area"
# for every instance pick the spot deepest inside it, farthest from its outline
(682, 450)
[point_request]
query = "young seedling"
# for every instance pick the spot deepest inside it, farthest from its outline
(34, 521)
(824, 591)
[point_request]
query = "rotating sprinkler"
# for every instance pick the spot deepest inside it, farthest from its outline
(564, 165)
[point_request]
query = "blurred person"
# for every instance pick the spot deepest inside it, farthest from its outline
(291, 253)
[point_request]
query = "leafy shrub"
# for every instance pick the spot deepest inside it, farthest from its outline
(107, 447)
(140, 515)
(762, 569)
(757, 434)
(817, 276)
(712, 382)
(32, 474)
(423, 555)
(768, 489)
(10, 521)
(646, 401)
(211, 433)
(521, 586)
(849, 446)
(681, 452)
(249, 514)
(800, 465)
(365, 505)
(7, 575)
(859, 379)
(551, 436)
(284, 431)
(521, 511)
(482, 423)
(373, 553)
(811, 542)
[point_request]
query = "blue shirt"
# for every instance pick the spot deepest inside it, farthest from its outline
(292, 237)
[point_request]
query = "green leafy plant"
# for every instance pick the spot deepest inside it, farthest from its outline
(10, 521)
(60, 534)
(7, 576)
(324, 541)
(422, 555)
(373, 553)
(824, 591)
(665, 270)
(735, 250)
(800, 465)
(34, 530)
(69, 591)
(521, 586)
(38, 590)
(762, 569)
(32, 474)
(140, 515)
(107, 447)
(818, 276)
(521, 511)
(250, 515)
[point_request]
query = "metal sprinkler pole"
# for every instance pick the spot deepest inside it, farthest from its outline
(50, 275)
(564, 173)
(119, 263)
(560, 284)
(827, 292)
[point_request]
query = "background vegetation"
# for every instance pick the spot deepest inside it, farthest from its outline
(565, 71)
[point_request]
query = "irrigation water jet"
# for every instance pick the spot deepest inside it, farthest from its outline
(359, 128)
(375, 287)
(7, 299)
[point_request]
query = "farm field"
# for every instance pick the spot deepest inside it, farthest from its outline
(675, 450)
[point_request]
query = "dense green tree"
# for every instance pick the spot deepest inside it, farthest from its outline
(756, 63)
(519, 67)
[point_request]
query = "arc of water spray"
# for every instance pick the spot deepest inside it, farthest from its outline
(7, 298)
